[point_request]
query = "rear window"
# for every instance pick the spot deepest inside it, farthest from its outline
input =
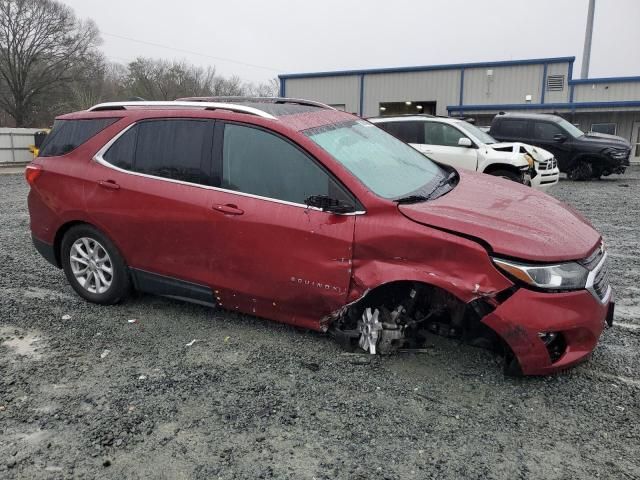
(67, 135)
(512, 128)
(408, 132)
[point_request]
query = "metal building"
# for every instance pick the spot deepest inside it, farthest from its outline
(481, 90)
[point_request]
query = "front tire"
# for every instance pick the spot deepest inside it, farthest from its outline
(93, 266)
(580, 172)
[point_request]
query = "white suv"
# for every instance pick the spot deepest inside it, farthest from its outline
(463, 145)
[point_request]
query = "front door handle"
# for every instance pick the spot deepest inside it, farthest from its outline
(228, 209)
(110, 184)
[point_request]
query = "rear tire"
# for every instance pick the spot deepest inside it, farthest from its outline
(93, 266)
(580, 172)
(508, 174)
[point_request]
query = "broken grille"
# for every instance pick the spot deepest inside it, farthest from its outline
(601, 281)
(549, 165)
(591, 262)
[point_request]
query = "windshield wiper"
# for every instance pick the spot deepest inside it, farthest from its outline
(412, 199)
(417, 198)
(444, 181)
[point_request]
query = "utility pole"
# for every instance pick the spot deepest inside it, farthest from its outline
(586, 52)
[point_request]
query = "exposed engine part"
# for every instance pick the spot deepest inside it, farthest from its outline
(370, 327)
(402, 316)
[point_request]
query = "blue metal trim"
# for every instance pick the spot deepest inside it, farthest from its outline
(282, 91)
(544, 82)
(362, 96)
(532, 106)
(462, 86)
(571, 89)
(570, 82)
(605, 80)
(426, 68)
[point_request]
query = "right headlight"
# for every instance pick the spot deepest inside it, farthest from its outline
(561, 276)
(616, 153)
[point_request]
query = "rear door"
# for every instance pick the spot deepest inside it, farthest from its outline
(441, 144)
(272, 255)
(149, 192)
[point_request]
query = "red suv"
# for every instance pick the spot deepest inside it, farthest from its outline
(294, 211)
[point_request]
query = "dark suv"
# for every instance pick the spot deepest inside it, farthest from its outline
(580, 155)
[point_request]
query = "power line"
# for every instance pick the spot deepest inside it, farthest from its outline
(191, 52)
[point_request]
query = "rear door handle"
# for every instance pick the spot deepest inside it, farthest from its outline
(110, 184)
(228, 209)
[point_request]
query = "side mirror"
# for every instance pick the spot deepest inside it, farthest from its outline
(465, 142)
(558, 137)
(328, 204)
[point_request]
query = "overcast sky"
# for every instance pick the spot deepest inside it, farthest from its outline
(290, 36)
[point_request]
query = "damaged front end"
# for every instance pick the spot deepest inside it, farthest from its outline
(403, 315)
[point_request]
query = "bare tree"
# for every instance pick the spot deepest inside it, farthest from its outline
(270, 88)
(41, 45)
(163, 80)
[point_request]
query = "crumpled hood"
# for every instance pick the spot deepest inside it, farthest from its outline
(516, 221)
(538, 154)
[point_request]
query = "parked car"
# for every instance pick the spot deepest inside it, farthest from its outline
(460, 144)
(294, 211)
(581, 155)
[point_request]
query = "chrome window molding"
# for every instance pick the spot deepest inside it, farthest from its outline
(99, 158)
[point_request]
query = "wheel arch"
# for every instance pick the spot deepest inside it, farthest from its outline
(494, 167)
(64, 228)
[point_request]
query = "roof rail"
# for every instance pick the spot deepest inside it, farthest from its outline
(182, 104)
(276, 100)
(427, 115)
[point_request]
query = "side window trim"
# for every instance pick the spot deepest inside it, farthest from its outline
(217, 170)
(218, 165)
(99, 156)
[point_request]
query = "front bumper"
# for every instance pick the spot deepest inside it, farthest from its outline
(545, 178)
(578, 316)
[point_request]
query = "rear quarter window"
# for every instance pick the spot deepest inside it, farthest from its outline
(511, 128)
(67, 135)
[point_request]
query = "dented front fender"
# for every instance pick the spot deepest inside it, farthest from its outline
(414, 252)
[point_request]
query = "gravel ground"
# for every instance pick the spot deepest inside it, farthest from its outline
(85, 393)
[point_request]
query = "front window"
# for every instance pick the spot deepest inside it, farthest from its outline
(475, 132)
(387, 166)
(571, 129)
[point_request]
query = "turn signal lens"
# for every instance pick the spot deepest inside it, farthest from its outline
(31, 173)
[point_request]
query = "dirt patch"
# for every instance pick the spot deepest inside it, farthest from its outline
(22, 344)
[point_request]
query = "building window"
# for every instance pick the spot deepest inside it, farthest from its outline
(407, 107)
(608, 128)
(555, 83)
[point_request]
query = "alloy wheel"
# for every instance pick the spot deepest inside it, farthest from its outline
(91, 265)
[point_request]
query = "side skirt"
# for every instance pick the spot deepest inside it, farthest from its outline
(172, 287)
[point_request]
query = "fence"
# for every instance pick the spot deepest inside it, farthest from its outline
(14, 145)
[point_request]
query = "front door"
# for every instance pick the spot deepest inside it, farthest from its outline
(635, 143)
(544, 134)
(272, 255)
(441, 144)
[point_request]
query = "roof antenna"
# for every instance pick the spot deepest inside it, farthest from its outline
(135, 99)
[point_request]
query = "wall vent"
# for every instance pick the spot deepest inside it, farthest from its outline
(555, 83)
